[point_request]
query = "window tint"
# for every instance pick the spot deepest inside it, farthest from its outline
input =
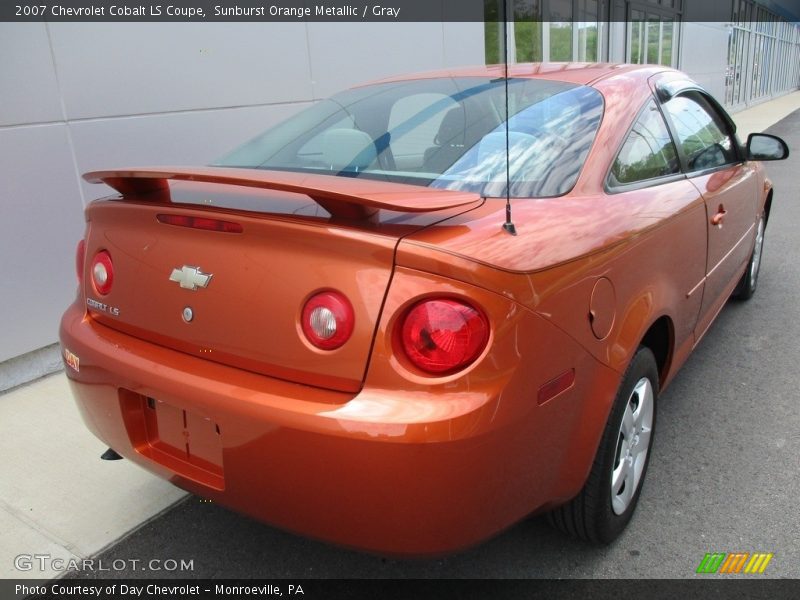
(409, 150)
(648, 152)
(701, 132)
(442, 132)
(548, 141)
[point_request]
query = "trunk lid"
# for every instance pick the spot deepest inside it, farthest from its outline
(299, 235)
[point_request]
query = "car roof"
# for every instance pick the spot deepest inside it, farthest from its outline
(580, 73)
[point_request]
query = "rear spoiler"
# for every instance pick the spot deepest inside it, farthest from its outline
(345, 197)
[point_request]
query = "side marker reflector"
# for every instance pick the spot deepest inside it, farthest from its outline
(555, 386)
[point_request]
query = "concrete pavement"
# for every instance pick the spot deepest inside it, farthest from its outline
(761, 116)
(56, 496)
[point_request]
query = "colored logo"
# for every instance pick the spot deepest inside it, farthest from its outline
(72, 360)
(735, 562)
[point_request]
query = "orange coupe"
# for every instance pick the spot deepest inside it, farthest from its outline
(421, 310)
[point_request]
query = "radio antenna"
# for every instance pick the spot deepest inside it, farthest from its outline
(509, 224)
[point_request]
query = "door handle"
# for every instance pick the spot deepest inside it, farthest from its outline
(718, 218)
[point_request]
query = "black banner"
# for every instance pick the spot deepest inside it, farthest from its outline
(381, 589)
(358, 10)
(244, 10)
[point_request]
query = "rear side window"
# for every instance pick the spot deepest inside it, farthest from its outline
(648, 152)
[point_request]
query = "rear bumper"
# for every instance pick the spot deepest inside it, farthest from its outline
(394, 472)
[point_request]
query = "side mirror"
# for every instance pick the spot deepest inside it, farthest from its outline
(761, 146)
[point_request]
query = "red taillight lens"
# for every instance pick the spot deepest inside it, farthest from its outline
(80, 257)
(102, 272)
(443, 336)
(327, 320)
(200, 223)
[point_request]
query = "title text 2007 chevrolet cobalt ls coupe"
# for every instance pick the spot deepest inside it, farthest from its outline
(340, 329)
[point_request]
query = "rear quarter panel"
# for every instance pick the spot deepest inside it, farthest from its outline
(649, 243)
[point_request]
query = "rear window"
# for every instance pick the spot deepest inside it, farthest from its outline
(446, 133)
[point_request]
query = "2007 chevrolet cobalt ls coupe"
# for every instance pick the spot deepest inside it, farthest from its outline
(367, 326)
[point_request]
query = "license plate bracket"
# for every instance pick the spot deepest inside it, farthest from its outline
(181, 440)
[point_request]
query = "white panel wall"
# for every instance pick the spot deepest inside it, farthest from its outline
(704, 55)
(28, 86)
(41, 223)
(368, 51)
(39, 199)
(134, 68)
(77, 96)
(178, 138)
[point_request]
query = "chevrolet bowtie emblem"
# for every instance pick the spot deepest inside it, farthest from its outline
(190, 278)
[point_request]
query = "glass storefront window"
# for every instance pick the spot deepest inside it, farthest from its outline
(651, 38)
(561, 39)
(763, 55)
(763, 49)
(666, 42)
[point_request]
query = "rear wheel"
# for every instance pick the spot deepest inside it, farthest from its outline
(747, 284)
(607, 501)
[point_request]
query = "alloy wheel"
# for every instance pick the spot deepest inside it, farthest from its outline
(633, 443)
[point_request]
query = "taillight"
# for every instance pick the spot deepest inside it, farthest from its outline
(327, 320)
(102, 272)
(443, 336)
(200, 223)
(80, 257)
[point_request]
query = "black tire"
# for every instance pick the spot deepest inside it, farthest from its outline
(598, 514)
(747, 285)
